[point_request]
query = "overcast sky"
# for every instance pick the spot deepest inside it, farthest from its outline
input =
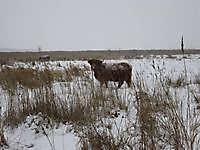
(99, 24)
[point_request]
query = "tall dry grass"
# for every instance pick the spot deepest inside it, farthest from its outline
(135, 118)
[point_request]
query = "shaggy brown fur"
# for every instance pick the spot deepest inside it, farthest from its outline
(118, 72)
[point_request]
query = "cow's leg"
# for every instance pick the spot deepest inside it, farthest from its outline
(120, 84)
(101, 83)
(106, 83)
(129, 83)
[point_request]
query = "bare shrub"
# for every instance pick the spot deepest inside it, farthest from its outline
(176, 83)
(3, 141)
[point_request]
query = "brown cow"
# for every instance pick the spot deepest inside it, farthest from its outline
(117, 72)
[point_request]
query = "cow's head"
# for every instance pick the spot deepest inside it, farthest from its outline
(94, 63)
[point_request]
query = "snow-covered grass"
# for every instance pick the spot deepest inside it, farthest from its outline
(57, 105)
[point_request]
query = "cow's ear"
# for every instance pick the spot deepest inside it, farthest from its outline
(90, 61)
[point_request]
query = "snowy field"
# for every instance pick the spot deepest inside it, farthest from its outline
(150, 70)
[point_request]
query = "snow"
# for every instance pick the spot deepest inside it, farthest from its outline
(23, 136)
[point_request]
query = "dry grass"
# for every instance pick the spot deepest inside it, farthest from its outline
(153, 119)
(176, 83)
(11, 78)
(197, 79)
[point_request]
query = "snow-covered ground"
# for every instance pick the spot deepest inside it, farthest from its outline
(24, 138)
(63, 138)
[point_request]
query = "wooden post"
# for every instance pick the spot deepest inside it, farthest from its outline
(182, 45)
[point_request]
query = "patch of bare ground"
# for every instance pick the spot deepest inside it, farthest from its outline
(82, 55)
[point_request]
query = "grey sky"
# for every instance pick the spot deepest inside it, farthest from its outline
(97, 24)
